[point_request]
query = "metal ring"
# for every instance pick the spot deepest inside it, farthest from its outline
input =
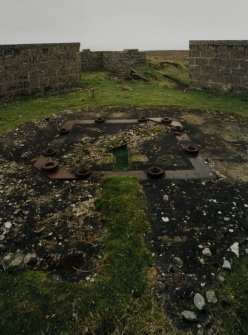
(63, 131)
(177, 128)
(49, 152)
(166, 120)
(191, 149)
(50, 165)
(155, 172)
(142, 119)
(99, 119)
(83, 173)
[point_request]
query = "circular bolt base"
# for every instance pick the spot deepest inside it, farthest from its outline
(191, 149)
(50, 165)
(63, 131)
(99, 120)
(82, 173)
(166, 120)
(155, 172)
(49, 152)
(142, 119)
(177, 128)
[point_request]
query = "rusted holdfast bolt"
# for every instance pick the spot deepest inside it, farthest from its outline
(142, 119)
(99, 119)
(177, 128)
(63, 131)
(166, 120)
(49, 152)
(191, 149)
(83, 173)
(155, 172)
(50, 165)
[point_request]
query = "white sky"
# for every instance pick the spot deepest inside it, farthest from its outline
(119, 24)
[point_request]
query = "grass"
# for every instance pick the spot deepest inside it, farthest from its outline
(108, 91)
(234, 294)
(118, 302)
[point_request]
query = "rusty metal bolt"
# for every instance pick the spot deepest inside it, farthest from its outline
(166, 120)
(63, 131)
(49, 152)
(142, 119)
(50, 165)
(155, 172)
(191, 149)
(83, 173)
(177, 128)
(99, 119)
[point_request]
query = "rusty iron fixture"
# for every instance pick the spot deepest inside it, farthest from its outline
(46, 163)
(50, 165)
(63, 131)
(166, 120)
(99, 119)
(49, 152)
(142, 119)
(82, 173)
(155, 172)
(191, 149)
(177, 129)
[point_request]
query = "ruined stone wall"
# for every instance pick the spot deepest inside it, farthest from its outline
(27, 69)
(119, 62)
(219, 65)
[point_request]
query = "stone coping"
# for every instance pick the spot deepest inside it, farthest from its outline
(39, 45)
(218, 42)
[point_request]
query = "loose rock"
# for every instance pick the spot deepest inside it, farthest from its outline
(206, 252)
(189, 316)
(199, 301)
(211, 297)
(235, 248)
(226, 265)
(178, 262)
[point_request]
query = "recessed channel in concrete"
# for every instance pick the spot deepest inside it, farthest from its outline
(123, 147)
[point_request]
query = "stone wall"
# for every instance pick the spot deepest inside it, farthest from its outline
(28, 69)
(119, 62)
(219, 65)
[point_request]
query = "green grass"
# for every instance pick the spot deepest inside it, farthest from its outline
(109, 92)
(118, 302)
(234, 293)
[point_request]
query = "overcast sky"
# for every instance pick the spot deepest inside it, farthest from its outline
(119, 24)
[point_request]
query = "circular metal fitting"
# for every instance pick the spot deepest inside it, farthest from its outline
(99, 119)
(63, 131)
(142, 119)
(49, 152)
(166, 120)
(50, 165)
(155, 172)
(177, 128)
(82, 173)
(191, 149)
